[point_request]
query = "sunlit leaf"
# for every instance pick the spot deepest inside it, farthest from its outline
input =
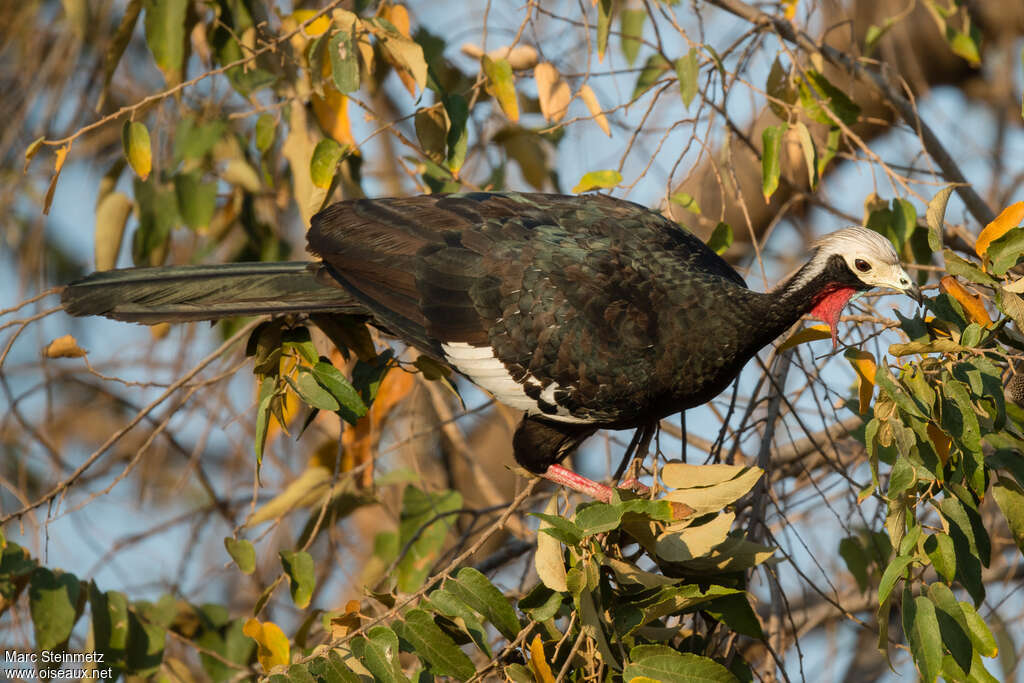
(64, 347)
(594, 107)
(501, 84)
(112, 213)
(804, 335)
(165, 35)
(771, 166)
(135, 140)
(242, 552)
(971, 303)
(53, 603)
(604, 24)
(687, 72)
(598, 180)
(324, 163)
(864, 365)
(548, 559)
(631, 27)
(331, 113)
(273, 648)
(298, 567)
(686, 201)
(539, 661)
(721, 238)
(810, 152)
(1008, 219)
(552, 91)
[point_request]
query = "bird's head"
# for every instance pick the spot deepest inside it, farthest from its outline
(844, 263)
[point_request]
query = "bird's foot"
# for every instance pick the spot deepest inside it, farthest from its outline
(589, 487)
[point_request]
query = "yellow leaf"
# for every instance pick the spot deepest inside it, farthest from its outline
(273, 649)
(539, 663)
(1010, 218)
(971, 303)
(598, 180)
(548, 559)
(713, 498)
(501, 84)
(553, 92)
(112, 213)
(683, 475)
(315, 28)
(331, 112)
(692, 542)
(790, 9)
(63, 347)
(137, 149)
(594, 107)
(58, 164)
(346, 623)
(31, 150)
(941, 441)
(398, 15)
(864, 365)
(520, 57)
(360, 442)
(806, 334)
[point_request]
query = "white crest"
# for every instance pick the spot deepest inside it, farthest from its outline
(869, 256)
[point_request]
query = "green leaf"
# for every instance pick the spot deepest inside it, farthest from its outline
(298, 566)
(53, 598)
(425, 524)
(721, 238)
(378, 652)
(196, 200)
(242, 552)
(267, 389)
(922, 629)
(968, 560)
(479, 593)
(736, 613)
(779, 90)
(687, 71)
(939, 547)
(266, 131)
(137, 149)
(109, 624)
(194, 140)
(604, 25)
(324, 162)
(1006, 251)
(967, 269)
(654, 67)
(771, 168)
(435, 647)
(458, 135)
(631, 26)
(165, 35)
(935, 215)
(502, 85)
(810, 153)
(1010, 498)
(892, 573)
(350, 403)
(662, 663)
(686, 201)
(598, 180)
(564, 530)
(856, 559)
(978, 631)
(963, 45)
(595, 518)
(344, 62)
(817, 91)
(310, 391)
(952, 625)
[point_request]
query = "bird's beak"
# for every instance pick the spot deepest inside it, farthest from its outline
(906, 285)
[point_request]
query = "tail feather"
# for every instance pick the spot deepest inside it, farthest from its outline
(186, 293)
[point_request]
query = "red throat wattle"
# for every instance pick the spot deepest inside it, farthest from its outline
(829, 305)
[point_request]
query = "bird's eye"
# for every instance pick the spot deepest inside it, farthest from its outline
(862, 265)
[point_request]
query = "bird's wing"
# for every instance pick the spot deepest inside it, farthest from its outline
(553, 303)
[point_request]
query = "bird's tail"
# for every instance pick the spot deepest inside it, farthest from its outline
(184, 293)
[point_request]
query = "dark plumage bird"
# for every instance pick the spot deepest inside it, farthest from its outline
(585, 312)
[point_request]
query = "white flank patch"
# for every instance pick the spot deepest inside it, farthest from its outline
(480, 365)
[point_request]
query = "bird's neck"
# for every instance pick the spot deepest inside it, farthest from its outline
(822, 288)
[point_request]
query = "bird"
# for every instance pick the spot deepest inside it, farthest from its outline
(585, 312)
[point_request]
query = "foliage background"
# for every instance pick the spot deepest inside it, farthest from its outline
(223, 162)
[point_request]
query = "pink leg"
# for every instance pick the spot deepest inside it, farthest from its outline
(589, 487)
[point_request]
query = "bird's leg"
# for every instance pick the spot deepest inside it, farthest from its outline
(589, 487)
